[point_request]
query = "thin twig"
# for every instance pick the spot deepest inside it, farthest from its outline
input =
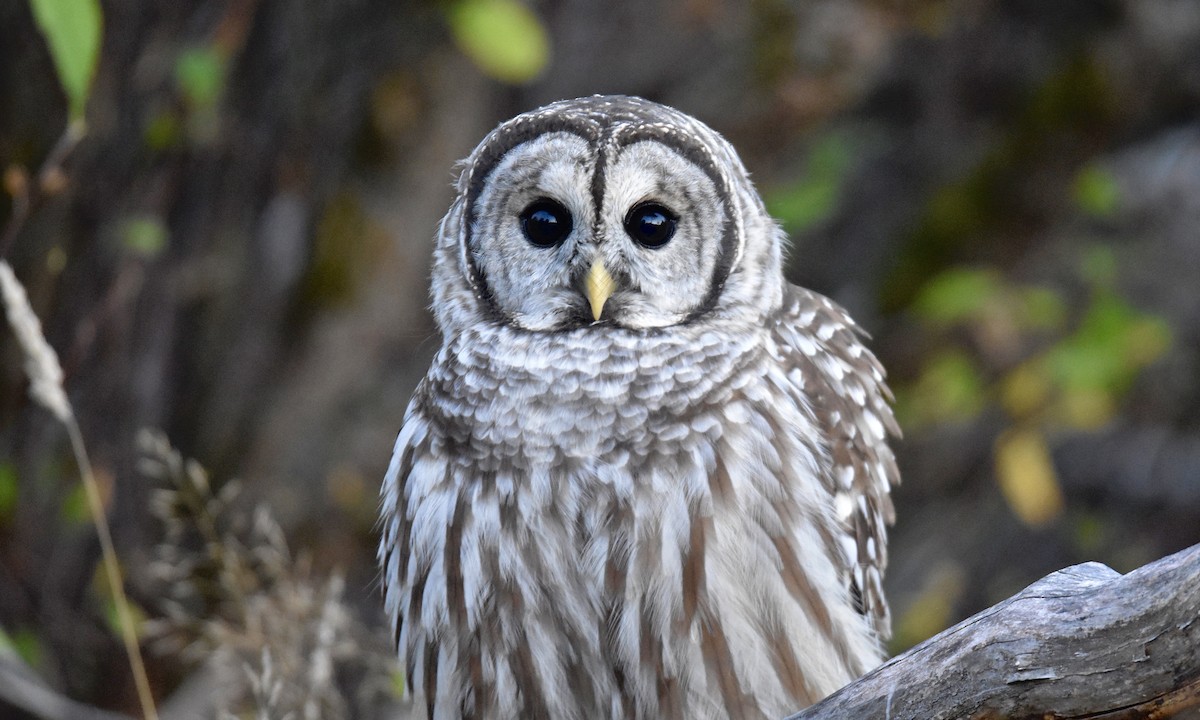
(46, 388)
(113, 571)
(23, 689)
(27, 197)
(20, 212)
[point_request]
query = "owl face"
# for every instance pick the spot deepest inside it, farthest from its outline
(602, 212)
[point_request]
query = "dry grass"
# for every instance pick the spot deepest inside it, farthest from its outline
(46, 388)
(228, 593)
(233, 597)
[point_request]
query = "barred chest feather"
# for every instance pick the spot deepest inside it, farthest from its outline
(624, 524)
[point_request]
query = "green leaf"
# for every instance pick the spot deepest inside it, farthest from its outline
(1099, 265)
(72, 29)
(8, 490)
(1096, 191)
(955, 386)
(957, 295)
(25, 644)
(503, 37)
(1090, 534)
(1112, 343)
(814, 198)
(163, 131)
(1082, 362)
(200, 75)
(1041, 308)
(74, 508)
(145, 235)
(1107, 321)
(951, 389)
(111, 609)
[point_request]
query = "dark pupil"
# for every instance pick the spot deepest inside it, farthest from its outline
(651, 225)
(546, 223)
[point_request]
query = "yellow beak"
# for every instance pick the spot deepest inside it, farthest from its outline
(600, 286)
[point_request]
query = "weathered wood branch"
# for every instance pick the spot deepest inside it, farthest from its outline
(1084, 642)
(22, 690)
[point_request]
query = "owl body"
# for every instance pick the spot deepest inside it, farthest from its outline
(670, 505)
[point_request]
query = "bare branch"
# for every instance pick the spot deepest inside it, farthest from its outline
(21, 688)
(49, 181)
(1084, 642)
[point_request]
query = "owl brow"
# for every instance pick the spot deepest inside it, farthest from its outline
(701, 156)
(502, 141)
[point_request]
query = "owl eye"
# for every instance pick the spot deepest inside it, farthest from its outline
(650, 225)
(546, 223)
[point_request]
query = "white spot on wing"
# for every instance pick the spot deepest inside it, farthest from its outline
(843, 504)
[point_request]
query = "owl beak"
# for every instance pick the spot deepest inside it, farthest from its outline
(599, 286)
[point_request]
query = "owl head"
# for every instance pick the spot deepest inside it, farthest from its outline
(605, 214)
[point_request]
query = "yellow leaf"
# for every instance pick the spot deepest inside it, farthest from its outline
(1147, 340)
(1025, 389)
(1085, 408)
(932, 610)
(1027, 478)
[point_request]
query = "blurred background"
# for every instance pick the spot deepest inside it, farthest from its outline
(1005, 194)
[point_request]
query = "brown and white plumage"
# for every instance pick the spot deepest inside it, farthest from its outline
(673, 506)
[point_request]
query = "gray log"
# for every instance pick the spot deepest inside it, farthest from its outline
(1084, 642)
(21, 689)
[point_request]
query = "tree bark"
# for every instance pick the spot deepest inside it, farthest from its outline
(1084, 642)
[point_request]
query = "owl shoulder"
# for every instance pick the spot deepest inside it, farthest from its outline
(845, 387)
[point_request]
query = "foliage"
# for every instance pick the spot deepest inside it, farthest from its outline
(503, 37)
(25, 644)
(8, 491)
(932, 610)
(949, 389)
(1096, 191)
(72, 29)
(1022, 357)
(1072, 104)
(996, 140)
(813, 198)
(145, 235)
(200, 75)
(1026, 476)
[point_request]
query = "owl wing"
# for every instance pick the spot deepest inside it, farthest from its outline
(850, 401)
(412, 462)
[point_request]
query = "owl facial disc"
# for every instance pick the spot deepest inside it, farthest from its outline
(611, 212)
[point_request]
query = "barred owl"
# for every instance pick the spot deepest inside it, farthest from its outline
(645, 476)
